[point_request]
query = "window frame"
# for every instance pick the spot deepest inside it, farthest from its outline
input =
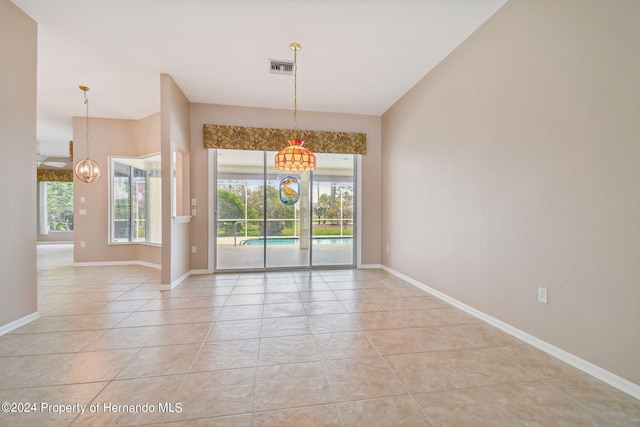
(43, 207)
(133, 168)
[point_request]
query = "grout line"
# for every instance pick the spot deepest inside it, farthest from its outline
(389, 288)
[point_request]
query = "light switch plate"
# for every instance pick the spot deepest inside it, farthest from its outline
(542, 295)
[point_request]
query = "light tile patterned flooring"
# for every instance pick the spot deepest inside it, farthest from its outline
(325, 348)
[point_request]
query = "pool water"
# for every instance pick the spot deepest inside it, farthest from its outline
(278, 241)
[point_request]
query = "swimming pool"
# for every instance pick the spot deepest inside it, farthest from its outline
(278, 241)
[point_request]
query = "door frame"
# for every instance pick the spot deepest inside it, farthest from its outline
(212, 222)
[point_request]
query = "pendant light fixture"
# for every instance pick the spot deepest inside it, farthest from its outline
(87, 170)
(295, 158)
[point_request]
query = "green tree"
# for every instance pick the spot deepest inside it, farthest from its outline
(230, 206)
(121, 206)
(332, 199)
(346, 205)
(332, 215)
(275, 209)
(60, 206)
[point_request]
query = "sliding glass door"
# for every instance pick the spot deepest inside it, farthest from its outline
(334, 210)
(287, 215)
(268, 219)
(239, 210)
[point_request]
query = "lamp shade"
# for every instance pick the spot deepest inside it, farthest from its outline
(295, 158)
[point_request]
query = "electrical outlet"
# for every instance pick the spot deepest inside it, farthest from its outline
(193, 202)
(193, 212)
(193, 249)
(542, 295)
(82, 245)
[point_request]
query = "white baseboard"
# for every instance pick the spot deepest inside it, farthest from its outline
(5, 329)
(172, 285)
(108, 263)
(610, 378)
(365, 266)
(202, 271)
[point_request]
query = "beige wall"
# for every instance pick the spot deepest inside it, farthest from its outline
(174, 110)
(519, 157)
(108, 137)
(18, 50)
(255, 117)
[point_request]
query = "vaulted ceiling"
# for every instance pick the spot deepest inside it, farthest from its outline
(357, 56)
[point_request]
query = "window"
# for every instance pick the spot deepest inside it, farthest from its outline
(55, 206)
(135, 200)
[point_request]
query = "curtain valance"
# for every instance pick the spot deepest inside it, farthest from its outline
(247, 138)
(55, 175)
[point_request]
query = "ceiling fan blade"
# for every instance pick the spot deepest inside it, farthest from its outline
(55, 164)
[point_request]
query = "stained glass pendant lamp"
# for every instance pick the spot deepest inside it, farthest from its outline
(87, 170)
(295, 158)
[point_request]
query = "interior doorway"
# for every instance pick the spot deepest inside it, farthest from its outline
(54, 255)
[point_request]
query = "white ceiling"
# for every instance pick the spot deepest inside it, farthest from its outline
(358, 56)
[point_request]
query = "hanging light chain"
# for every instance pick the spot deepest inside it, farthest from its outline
(295, 89)
(86, 103)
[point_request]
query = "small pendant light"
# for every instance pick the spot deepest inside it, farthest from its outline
(87, 170)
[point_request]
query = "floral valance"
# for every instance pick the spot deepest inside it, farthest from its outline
(55, 175)
(246, 138)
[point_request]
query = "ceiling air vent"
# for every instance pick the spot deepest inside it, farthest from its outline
(280, 67)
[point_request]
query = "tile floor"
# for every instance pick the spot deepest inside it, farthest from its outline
(325, 348)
